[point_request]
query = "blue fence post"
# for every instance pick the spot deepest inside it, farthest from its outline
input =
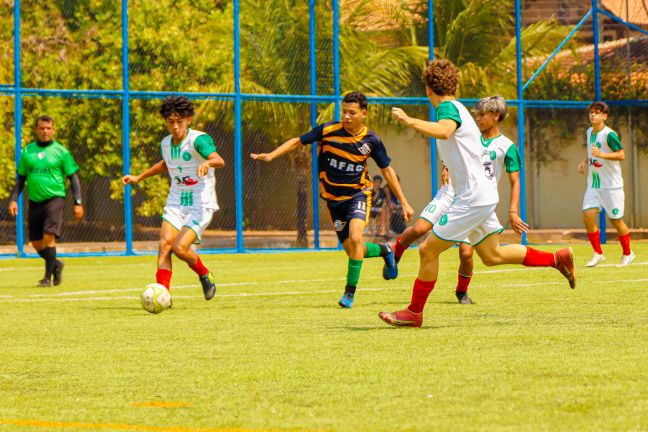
(238, 139)
(433, 149)
(597, 84)
(336, 57)
(313, 120)
(20, 228)
(520, 96)
(126, 150)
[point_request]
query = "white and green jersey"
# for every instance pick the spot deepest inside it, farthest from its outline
(504, 154)
(471, 169)
(182, 161)
(603, 173)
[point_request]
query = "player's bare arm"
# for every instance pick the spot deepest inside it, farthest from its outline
(156, 169)
(518, 225)
(287, 147)
(394, 185)
(618, 155)
(214, 160)
(442, 129)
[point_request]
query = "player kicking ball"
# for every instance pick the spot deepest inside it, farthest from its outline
(471, 217)
(604, 184)
(503, 153)
(190, 157)
(343, 149)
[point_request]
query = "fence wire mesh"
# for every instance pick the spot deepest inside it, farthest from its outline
(67, 47)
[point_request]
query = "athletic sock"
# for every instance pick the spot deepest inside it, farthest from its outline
(163, 276)
(373, 250)
(625, 244)
(462, 283)
(199, 268)
(49, 255)
(538, 258)
(353, 272)
(595, 240)
(420, 293)
(399, 249)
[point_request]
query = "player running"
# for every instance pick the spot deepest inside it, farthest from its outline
(343, 149)
(503, 153)
(604, 184)
(471, 218)
(190, 157)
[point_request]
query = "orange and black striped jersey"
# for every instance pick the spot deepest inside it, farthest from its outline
(343, 160)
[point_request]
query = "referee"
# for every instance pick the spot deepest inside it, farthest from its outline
(44, 165)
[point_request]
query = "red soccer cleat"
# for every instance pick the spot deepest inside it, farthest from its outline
(564, 259)
(402, 318)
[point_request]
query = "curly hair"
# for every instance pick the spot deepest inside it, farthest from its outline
(179, 105)
(442, 77)
(358, 98)
(493, 104)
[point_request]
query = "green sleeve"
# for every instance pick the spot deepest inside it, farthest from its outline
(512, 159)
(204, 145)
(614, 142)
(447, 110)
(23, 169)
(69, 165)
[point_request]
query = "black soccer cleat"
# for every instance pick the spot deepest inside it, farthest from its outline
(44, 283)
(58, 273)
(463, 298)
(208, 285)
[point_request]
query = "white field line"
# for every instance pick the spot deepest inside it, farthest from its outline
(264, 294)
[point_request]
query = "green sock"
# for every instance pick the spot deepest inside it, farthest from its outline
(373, 250)
(353, 272)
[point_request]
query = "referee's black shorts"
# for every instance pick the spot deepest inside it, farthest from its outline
(45, 217)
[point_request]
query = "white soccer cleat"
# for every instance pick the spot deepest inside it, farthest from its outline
(597, 258)
(626, 259)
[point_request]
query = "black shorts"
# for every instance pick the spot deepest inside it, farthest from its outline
(45, 217)
(358, 207)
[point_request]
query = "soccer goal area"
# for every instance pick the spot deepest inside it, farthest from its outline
(263, 71)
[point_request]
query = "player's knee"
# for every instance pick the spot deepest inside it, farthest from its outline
(165, 246)
(466, 255)
(355, 242)
(180, 250)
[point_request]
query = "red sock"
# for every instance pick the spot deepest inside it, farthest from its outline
(595, 240)
(462, 283)
(199, 268)
(420, 293)
(625, 243)
(163, 276)
(399, 248)
(538, 258)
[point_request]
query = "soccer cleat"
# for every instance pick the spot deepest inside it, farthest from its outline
(58, 273)
(44, 283)
(463, 298)
(208, 285)
(626, 259)
(564, 262)
(347, 300)
(402, 318)
(596, 258)
(390, 269)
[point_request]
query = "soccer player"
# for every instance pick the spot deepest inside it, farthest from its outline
(44, 165)
(471, 217)
(604, 184)
(190, 157)
(343, 149)
(489, 112)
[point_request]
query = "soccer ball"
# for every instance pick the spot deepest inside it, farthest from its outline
(155, 298)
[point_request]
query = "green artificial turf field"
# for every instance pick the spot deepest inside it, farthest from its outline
(273, 351)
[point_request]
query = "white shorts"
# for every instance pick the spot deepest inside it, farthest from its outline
(438, 206)
(610, 200)
(468, 224)
(195, 218)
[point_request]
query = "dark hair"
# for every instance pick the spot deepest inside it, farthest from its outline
(599, 106)
(356, 97)
(376, 178)
(442, 77)
(179, 105)
(45, 119)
